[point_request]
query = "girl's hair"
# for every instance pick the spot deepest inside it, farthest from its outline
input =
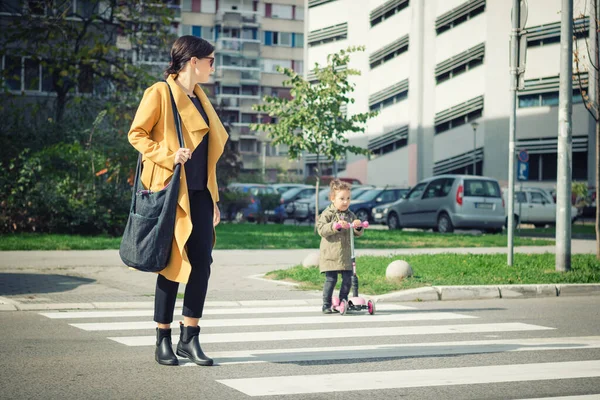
(184, 49)
(336, 185)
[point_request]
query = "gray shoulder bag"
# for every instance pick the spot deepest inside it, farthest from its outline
(148, 236)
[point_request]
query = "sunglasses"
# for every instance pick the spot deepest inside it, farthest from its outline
(212, 60)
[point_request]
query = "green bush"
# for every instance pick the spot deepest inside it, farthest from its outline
(64, 188)
(231, 202)
(268, 202)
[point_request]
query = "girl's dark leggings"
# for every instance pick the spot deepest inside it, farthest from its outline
(199, 250)
(330, 282)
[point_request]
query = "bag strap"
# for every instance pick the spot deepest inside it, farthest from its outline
(176, 116)
(138, 168)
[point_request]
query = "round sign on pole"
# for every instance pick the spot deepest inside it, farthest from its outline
(523, 156)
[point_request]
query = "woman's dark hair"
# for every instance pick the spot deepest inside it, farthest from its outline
(184, 49)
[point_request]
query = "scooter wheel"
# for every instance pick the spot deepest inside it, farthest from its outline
(343, 307)
(371, 306)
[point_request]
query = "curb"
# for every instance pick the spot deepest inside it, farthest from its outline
(483, 292)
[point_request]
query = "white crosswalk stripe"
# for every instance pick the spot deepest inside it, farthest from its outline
(348, 381)
(278, 326)
(210, 311)
(269, 336)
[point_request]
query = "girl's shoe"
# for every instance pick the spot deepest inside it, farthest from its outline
(328, 310)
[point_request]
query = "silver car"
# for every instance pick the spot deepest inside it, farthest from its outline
(446, 202)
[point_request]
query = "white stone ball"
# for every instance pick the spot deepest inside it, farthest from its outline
(397, 270)
(311, 260)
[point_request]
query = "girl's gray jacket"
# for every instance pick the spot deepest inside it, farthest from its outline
(335, 254)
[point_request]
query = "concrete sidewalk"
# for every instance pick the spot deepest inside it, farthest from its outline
(110, 258)
(32, 280)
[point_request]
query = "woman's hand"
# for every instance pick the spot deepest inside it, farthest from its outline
(357, 223)
(182, 155)
(216, 215)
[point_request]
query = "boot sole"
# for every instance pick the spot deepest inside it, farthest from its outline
(170, 363)
(204, 363)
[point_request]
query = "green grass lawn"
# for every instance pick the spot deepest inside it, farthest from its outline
(587, 229)
(454, 269)
(252, 236)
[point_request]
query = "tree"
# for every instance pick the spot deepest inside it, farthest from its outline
(591, 98)
(312, 120)
(85, 47)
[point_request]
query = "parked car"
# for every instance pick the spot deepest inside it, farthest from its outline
(363, 205)
(252, 212)
(281, 188)
(536, 206)
(446, 202)
(304, 209)
(289, 198)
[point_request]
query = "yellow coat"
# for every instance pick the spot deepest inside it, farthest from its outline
(153, 134)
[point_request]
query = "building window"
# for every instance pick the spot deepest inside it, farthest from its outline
(541, 35)
(270, 66)
(388, 142)
(460, 63)
(205, 6)
(280, 11)
(314, 3)
(459, 114)
(248, 145)
(461, 164)
(389, 52)
(389, 96)
(283, 39)
(298, 40)
(458, 15)
(546, 99)
(543, 157)
(328, 34)
(387, 10)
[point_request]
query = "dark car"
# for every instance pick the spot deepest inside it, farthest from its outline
(253, 210)
(363, 205)
(289, 198)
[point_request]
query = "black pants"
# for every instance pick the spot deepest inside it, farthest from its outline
(330, 282)
(199, 249)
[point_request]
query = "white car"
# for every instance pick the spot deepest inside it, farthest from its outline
(536, 206)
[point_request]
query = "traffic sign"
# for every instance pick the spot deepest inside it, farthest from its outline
(523, 156)
(523, 171)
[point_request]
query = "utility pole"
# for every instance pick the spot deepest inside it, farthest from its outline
(565, 108)
(512, 124)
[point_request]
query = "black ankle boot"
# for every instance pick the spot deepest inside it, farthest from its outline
(189, 345)
(164, 348)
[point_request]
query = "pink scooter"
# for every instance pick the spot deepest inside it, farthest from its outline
(354, 303)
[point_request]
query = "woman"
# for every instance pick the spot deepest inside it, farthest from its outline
(153, 134)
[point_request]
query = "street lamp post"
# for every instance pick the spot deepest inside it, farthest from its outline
(474, 124)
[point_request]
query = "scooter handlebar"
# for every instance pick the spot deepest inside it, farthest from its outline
(338, 226)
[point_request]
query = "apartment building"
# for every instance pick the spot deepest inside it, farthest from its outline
(437, 71)
(252, 38)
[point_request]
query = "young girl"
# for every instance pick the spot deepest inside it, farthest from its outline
(335, 254)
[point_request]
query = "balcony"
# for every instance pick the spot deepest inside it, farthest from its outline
(236, 18)
(248, 48)
(236, 75)
(235, 101)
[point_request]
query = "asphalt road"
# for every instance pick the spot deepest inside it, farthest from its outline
(497, 349)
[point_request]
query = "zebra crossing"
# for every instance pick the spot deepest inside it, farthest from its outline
(281, 327)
